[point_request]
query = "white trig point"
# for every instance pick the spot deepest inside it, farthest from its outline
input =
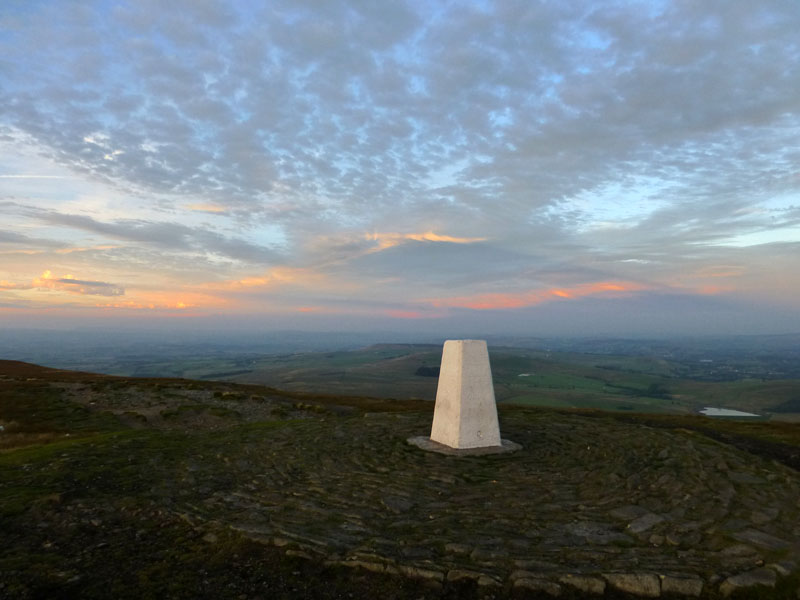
(465, 415)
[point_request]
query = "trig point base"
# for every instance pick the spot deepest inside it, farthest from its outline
(465, 416)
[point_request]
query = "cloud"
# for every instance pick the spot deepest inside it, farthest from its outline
(76, 286)
(500, 301)
(169, 235)
(521, 97)
(209, 208)
(32, 177)
(491, 149)
(23, 242)
(414, 314)
(277, 276)
(171, 300)
(387, 240)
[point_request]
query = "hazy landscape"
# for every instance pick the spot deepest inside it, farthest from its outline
(680, 375)
(205, 467)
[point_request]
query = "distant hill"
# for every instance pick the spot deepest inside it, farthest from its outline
(531, 377)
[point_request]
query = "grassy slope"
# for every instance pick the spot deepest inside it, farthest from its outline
(86, 503)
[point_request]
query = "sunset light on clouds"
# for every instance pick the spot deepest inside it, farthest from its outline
(534, 297)
(513, 166)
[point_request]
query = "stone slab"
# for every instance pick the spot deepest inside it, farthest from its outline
(585, 583)
(638, 584)
(756, 577)
(765, 540)
(682, 586)
(428, 444)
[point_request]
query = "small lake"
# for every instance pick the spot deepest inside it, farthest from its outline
(726, 412)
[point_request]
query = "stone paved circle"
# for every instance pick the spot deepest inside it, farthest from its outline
(586, 499)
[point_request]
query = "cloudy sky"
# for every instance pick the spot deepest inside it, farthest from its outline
(517, 166)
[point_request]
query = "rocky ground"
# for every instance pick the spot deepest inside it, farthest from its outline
(585, 504)
(202, 488)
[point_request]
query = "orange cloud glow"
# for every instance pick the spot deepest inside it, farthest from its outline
(84, 249)
(278, 275)
(28, 252)
(707, 280)
(73, 285)
(387, 240)
(209, 208)
(126, 304)
(712, 290)
(720, 271)
(146, 300)
(413, 314)
(47, 279)
(531, 298)
(310, 309)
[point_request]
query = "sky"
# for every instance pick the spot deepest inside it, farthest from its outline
(584, 167)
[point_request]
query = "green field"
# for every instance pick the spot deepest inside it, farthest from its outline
(521, 376)
(528, 377)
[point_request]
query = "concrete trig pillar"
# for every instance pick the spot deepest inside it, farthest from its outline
(465, 415)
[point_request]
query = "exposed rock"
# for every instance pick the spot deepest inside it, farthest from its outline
(584, 583)
(397, 504)
(756, 577)
(462, 574)
(462, 549)
(630, 511)
(745, 478)
(638, 584)
(488, 581)
(522, 574)
(487, 556)
(762, 539)
(595, 533)
(419, 573)
(783, 567)
(539, 565)
(644, 522)
(362, 564)
(764, 515)
(682, 586)
(538, 585)
(368, 557)
(735, 524)
(738, 550)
